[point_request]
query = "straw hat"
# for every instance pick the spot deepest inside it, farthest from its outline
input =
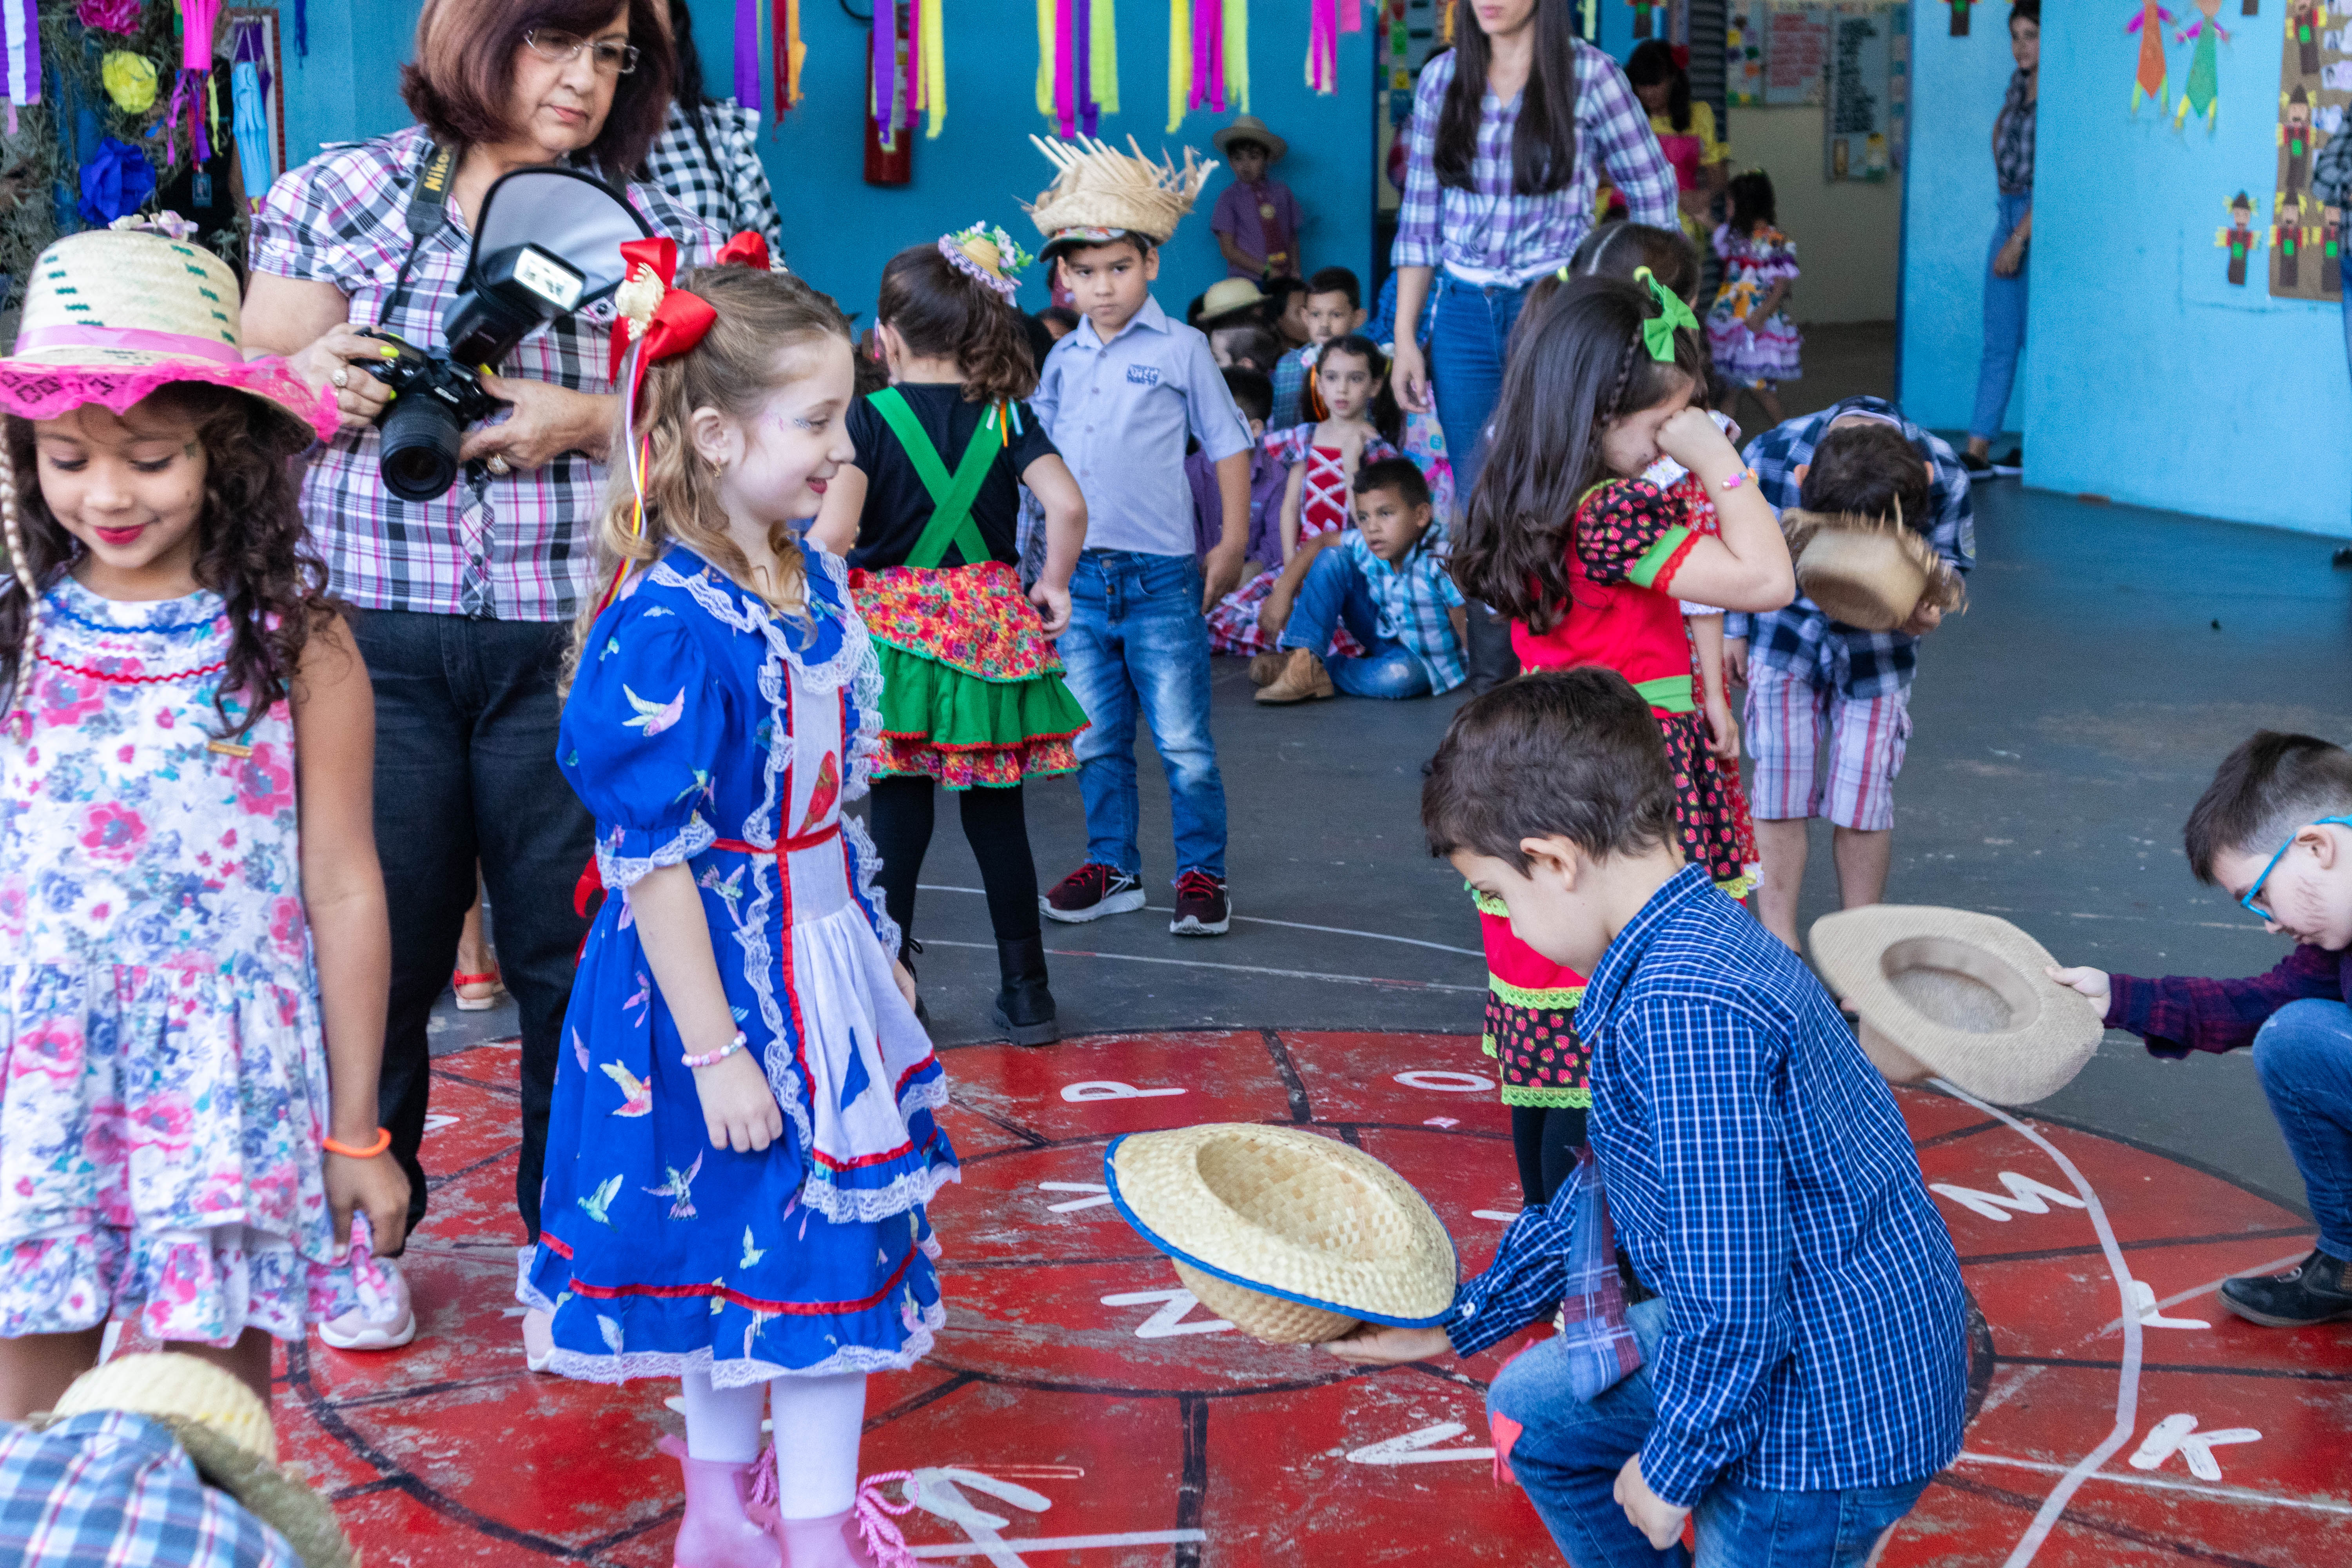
(1291, 1237)
(111, 314)
(1228, 295)
(1100, 193)
(1959, 995)
(1870, 572)
(1250, 128)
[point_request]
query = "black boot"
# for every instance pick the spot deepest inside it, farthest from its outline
(1024, 1009)
(2314, 1291)
(907, 951)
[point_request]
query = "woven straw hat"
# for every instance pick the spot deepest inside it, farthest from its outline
(1101, 193)
(1869, 573)
(1959, 995)
(1292, 1238)
(112, 314)
(1228, 295)
(1250, 128)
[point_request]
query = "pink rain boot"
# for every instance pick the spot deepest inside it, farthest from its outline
(716, 1531)
(862, 1536)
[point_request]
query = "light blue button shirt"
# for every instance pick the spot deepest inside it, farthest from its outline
(1118, 412)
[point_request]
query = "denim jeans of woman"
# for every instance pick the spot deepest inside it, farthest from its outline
(2004, 326)
(1468, 344)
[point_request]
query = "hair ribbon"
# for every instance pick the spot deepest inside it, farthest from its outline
(1673, 315)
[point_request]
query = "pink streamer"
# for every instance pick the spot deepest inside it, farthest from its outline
(1066, 108)
(918, 93)
(1351, 17)
(1322, 43)
(1216, 54)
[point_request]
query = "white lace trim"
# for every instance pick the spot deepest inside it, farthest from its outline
(627, 871)
(865, 867)
(872, 1205)
(739, 1370)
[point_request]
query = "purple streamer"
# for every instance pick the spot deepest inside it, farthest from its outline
(748, 81)
(1082, 55)
(886, 67)
(302, 28)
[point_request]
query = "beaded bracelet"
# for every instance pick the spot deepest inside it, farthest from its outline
(1738, 479)
(382, 1141)
(710, 1058)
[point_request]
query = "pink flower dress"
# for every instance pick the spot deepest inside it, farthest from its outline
(163, 1070)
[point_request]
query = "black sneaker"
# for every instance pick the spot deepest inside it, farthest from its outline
(1091, 892)
(2314, 1292)
(2011, 465)
(1978, 467)
(1202, 907)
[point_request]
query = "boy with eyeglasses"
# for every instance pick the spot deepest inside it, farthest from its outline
(2274, 831)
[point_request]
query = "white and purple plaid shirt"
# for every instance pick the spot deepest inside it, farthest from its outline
(1488, 230)
(522, 548)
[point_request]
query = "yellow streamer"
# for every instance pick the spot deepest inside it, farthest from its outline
(1180, 58)
(1046, 22)
(934, 69)
(1103, 58)
(796, 53)
(212, 105)
(1237, 93)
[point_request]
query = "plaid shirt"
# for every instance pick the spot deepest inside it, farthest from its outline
(2177, 1015)
(1762, 1181)
(1489, 228)
(1291, 388)
(2012, 141)
(1415, 595)
(715, 174)
(109, 1488)
(521, 548)
(2331, 171)
(1563, 1256)
(1800, 641)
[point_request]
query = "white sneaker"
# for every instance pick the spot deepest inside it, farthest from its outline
(538, 1339)
(389, 1326)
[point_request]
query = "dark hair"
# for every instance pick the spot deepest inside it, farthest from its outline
(1277, 295)
(1618, 250)
(2025, 11)
(1236, 143)
(1061, 316)
(1653, 63)
(1337, 281)
(461, 81)
(943, 312)
(1386, 416)
(252, 547)
(1253, 391)
(1752, 203)
(1402, 475)
(1867, 470)
(2262, 794)
(1543, 143)
(1058, 251)
(1582, 364)
(1568, 753)
(1254, 343)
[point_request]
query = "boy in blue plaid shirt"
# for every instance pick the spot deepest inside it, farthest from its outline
(1802, 1372)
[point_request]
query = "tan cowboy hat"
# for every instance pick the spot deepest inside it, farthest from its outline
(1250, 128)
(1870, 572)
(1228, 295)
(111, 314)
(224, 1428)
(1959, 996)
(1100, 193)
(1292, 1238)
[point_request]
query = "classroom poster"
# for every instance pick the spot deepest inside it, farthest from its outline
(2315, 84)
(1867, 89)
(1743, 53)
(1796, 53)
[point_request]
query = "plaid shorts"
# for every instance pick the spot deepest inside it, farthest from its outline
(1787, 717)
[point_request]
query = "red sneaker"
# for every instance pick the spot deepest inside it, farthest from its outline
(1090, 893)
(1202, 907)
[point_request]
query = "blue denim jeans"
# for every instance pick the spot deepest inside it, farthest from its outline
(1467, 343)
(2004, 326)
(2304, 1057)
(1136, 641)
(1569, 1453)
(1335, 594)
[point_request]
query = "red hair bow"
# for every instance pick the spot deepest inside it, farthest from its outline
(666, 321)
(1682, 56)
(746, 249)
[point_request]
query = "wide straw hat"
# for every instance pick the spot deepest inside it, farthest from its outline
(1292, 1238)
(1957, 995)
(113, 313)
(1229, 295)
(1101, 193)
(1250, 128)
(1870, 572)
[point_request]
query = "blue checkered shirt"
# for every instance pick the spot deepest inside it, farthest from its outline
(1415, 597)
(1290, 389)
(1761, 1180)
(1800, 641)
(112, 1490)
(1489, 228)
(1559, 1256)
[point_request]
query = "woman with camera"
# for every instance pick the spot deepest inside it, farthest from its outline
(467, 599)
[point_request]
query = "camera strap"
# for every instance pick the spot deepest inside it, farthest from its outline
(428, 214)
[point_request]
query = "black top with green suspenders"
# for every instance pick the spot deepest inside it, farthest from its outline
(954, 497)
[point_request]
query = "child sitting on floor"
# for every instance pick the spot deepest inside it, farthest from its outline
(1334, 308)
(1802, 1372)
(1254, 395)
(1386, 579)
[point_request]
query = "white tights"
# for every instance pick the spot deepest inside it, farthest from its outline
(817, 1423)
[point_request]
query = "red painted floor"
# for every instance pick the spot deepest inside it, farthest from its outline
(1080, 1412)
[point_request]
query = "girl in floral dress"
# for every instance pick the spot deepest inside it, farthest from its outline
(1754, 343)
(194, 947)
(742, 1139)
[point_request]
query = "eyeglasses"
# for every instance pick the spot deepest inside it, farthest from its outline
(2271, 865)
(561, 48)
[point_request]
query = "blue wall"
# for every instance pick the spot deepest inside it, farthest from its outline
(349, 87)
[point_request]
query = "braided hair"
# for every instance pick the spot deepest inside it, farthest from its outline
(1585, 365)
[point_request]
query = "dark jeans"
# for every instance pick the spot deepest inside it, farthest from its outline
(466, 716)
(1469, 339)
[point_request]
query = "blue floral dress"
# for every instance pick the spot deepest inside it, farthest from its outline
(704, 731)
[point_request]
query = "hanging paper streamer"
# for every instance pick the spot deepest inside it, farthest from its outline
(746, 56)
(1078, 63)
(882, 95)
(1102, 78)
(1180, 58)
(932, 64)
(784, 38)
(23, 39)
(1323, 46)
(302, 28)
(194, 87)
(1235, 63)
(257, 154)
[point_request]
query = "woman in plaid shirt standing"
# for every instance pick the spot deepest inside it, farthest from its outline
(468, 598)
(1510, 131)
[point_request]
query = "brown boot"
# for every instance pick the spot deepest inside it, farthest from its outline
(1264, 666)
(1301, 678)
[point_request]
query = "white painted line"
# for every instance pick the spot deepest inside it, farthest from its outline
(2206, 1289)
(1262, 921)
(1229, 968)
(1065, 1542)
(2127, 1380)
(2226, 1494)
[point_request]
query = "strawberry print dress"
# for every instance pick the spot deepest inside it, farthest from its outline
(704, 730)
(162, 1069)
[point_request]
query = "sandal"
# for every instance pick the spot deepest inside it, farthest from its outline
(460, 980)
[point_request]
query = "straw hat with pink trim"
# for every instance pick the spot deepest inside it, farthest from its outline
(113, 313)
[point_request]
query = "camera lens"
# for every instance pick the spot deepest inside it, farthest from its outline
(420, 447)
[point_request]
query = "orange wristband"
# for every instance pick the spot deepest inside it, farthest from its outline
(382, 1141)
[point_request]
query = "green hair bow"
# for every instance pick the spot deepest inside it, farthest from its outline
(1673, 315)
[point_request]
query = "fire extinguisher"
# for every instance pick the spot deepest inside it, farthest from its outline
(890, 161)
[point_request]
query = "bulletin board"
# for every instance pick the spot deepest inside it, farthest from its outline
(2315, 84)
(1866, 88)
(1796, 53)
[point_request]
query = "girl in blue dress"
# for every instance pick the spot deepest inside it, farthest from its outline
(742, 1139)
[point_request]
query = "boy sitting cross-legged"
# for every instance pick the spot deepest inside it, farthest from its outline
(1802, 1372)
(1385, 580)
